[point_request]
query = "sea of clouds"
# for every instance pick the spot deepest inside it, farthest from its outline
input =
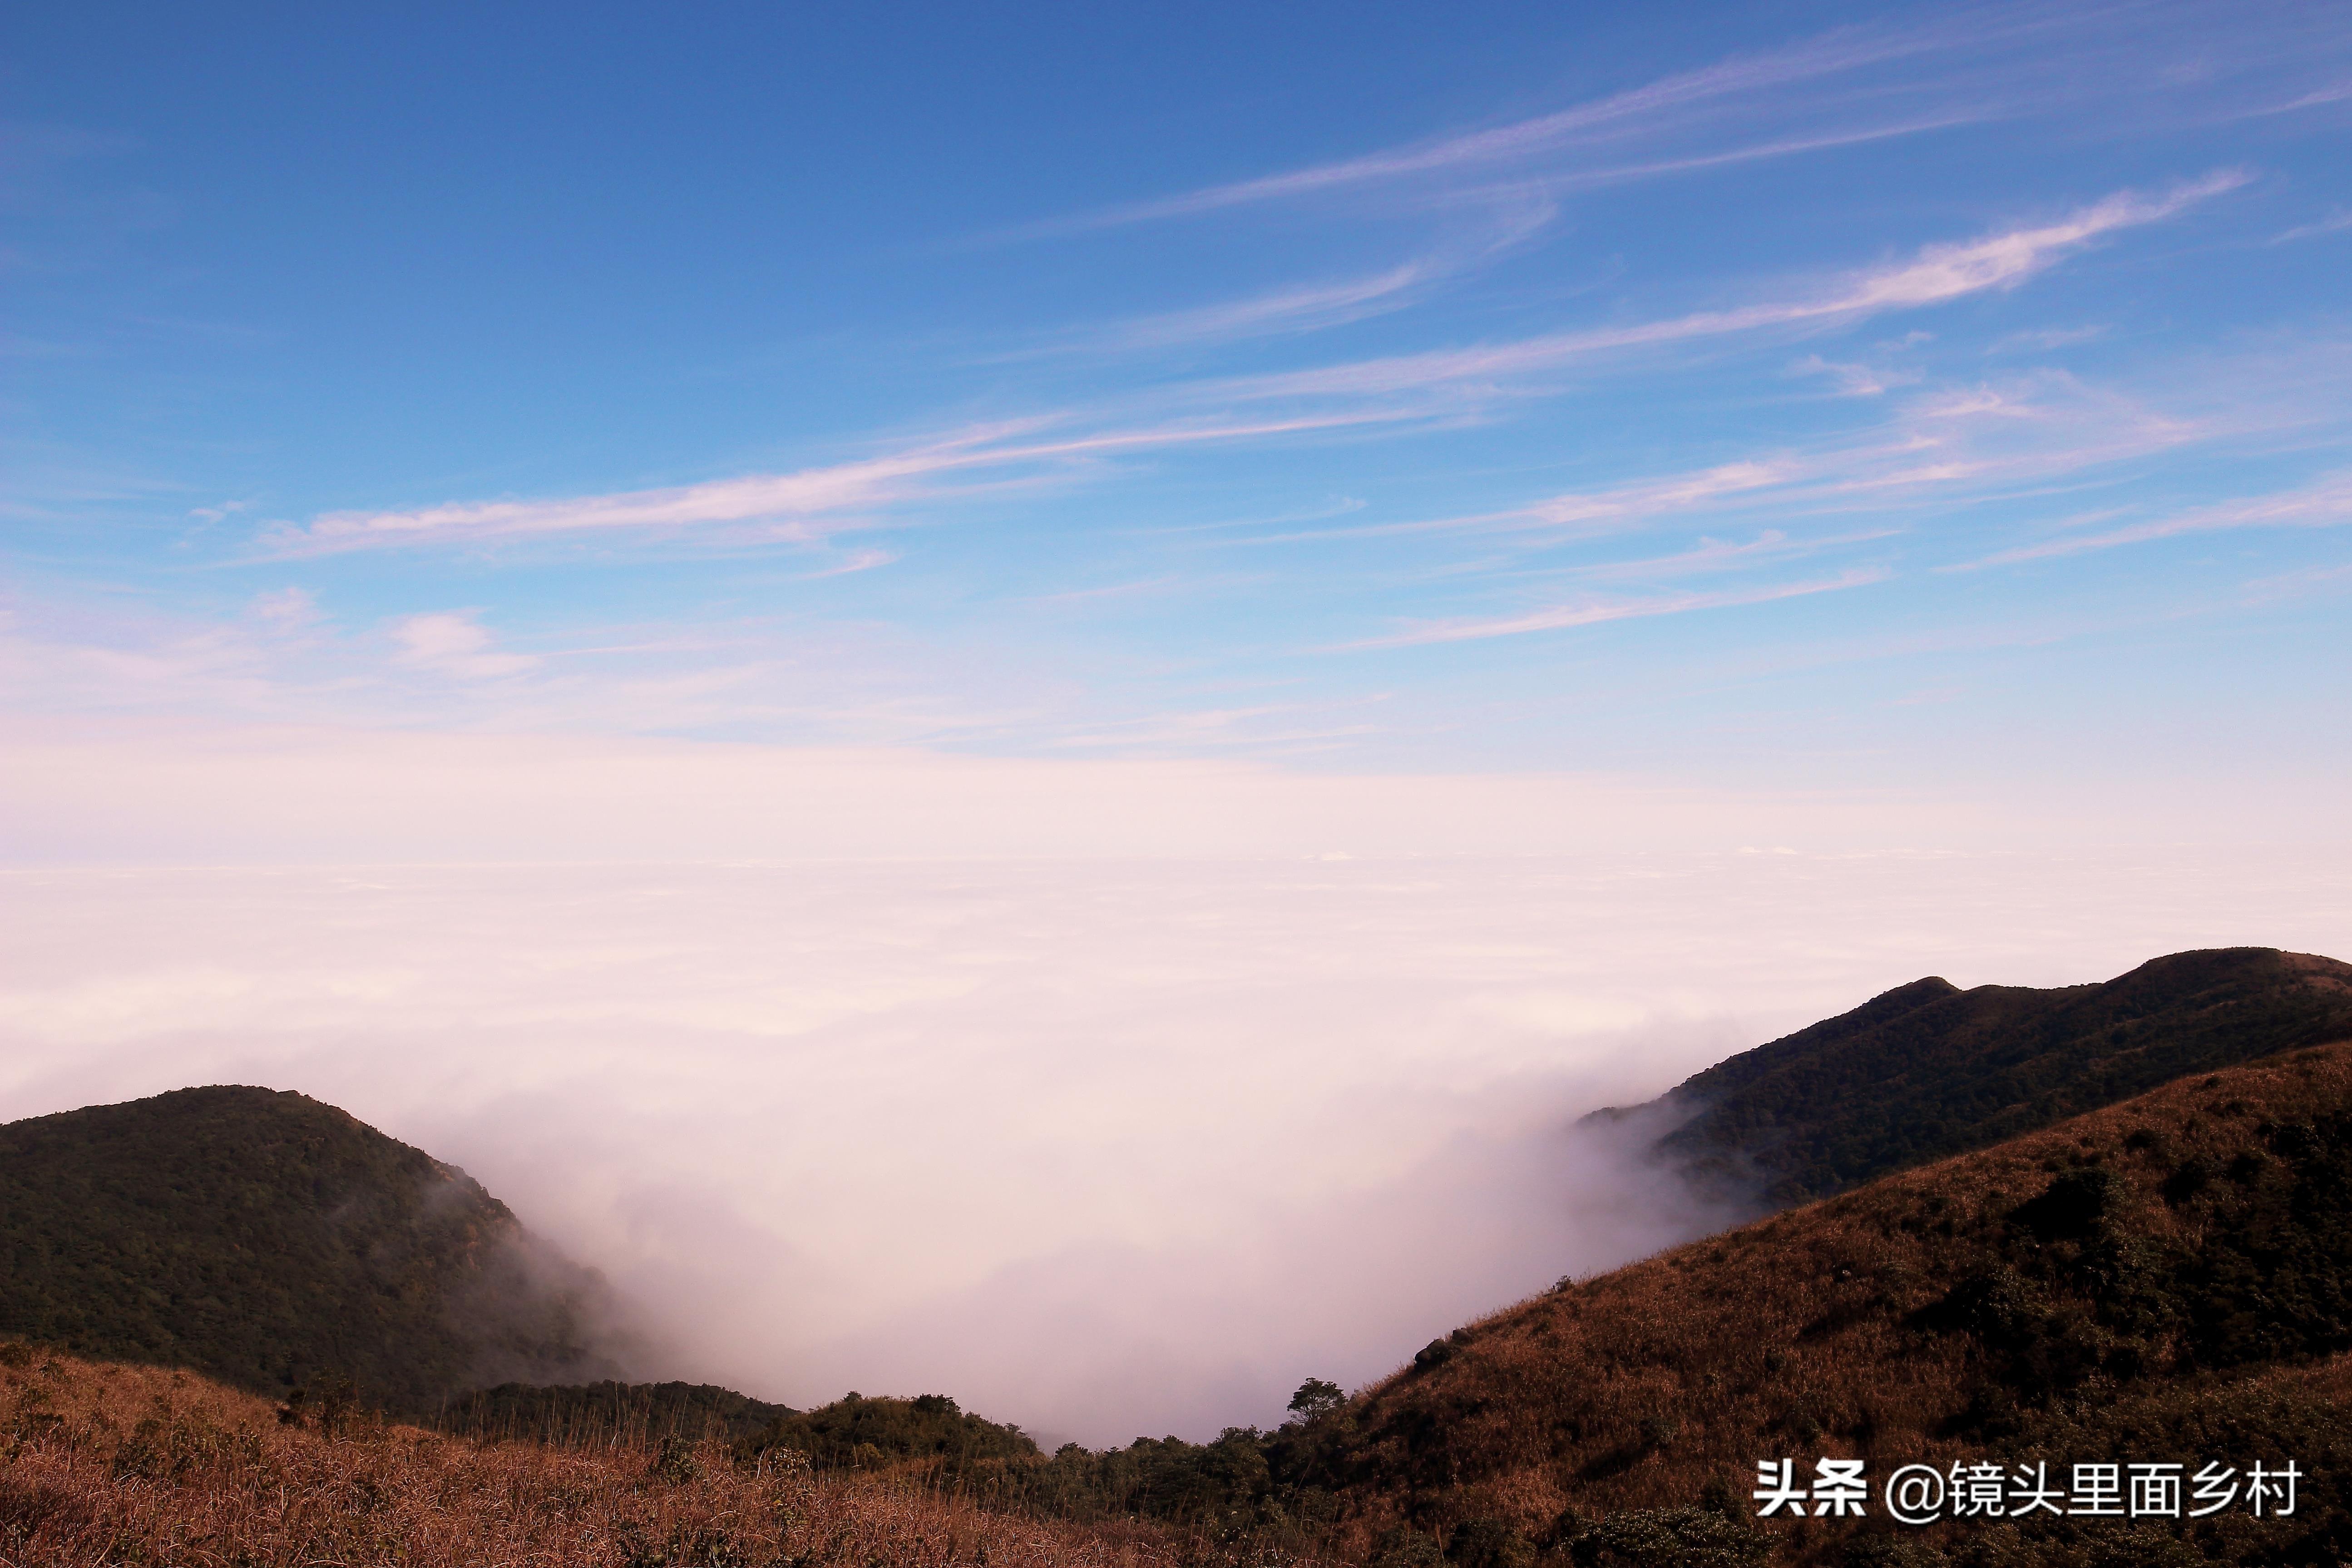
(1106, 1144)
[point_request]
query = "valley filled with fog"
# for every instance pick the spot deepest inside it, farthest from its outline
(1105, 1147)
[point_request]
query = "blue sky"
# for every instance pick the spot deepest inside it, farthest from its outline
(1948, 398)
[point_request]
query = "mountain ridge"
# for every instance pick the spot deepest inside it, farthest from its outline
(1927, 1069)
(273, 1241)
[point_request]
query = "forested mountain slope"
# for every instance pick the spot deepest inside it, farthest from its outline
(1928, 1069)
(275, 1242)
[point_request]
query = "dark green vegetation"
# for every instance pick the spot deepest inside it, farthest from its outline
(1273, 1486)
(581, 1414)
(274, 1242)
(854, 1433)
(1247, 1483)
(1929, 1070)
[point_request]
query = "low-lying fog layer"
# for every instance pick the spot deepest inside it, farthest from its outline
(1102, 1148)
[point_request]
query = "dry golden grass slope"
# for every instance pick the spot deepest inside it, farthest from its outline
(105, 1464)
(1802, 1336)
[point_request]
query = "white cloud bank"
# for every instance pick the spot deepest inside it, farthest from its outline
(1139, 1112)
(1106, 1148)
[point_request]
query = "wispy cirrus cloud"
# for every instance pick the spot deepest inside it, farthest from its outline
(854, 562)
(1934, 275)
(1717, 555)
(1936, 446)
(1964, 67)
(810, 504)
(2042, 340)
(786, 499)
(1594, 176)
(1597, 611)
(2324, 503)
(1315, 307)
(1302, 309)
(2334, 223)
(1656, 107)
(804, 506)
(2310, 582)
(1854, 380)
(2319, 98)
(1584, 513)
(1311, 307)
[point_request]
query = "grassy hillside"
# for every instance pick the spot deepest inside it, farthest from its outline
(2169, 1278)
(277, 1243)
(599, 1414)
(1929, 1070)
(106, 1465)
